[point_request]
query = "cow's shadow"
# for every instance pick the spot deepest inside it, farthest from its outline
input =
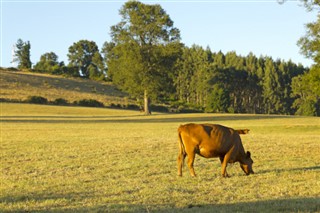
(289, 169)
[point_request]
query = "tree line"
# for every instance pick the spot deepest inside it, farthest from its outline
(146, 58)
(228, 82)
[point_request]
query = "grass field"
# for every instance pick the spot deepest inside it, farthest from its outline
(100, 160)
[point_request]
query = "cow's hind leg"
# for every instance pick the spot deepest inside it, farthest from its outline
(181, 158)
(191, 156)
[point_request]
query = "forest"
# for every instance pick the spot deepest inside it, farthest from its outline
(147, 60)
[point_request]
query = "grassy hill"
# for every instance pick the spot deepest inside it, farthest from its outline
(18, 86)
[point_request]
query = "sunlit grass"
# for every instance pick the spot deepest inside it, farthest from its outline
(87, 159)
(19, 86)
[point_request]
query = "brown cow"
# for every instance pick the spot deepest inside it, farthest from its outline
(209, 141)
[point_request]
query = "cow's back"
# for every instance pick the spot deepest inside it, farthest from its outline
(208, 140)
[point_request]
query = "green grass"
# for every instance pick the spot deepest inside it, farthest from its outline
(101, 160)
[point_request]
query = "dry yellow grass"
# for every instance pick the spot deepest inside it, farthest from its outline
(99, 160)
(20, 85)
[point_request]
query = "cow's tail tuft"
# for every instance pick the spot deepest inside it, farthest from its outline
(243, 131)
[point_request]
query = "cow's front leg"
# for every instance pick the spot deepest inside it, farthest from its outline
(224, 162)
(223, 167)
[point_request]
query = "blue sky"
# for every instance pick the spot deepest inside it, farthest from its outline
(263, 27)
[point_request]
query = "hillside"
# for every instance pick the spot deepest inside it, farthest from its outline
(18, 86)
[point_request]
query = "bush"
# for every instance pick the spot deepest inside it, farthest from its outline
(89, 103)
(116, 106)
(132, 107)
(60, 101)
(9, 69)
(37, 100)
(159, 108)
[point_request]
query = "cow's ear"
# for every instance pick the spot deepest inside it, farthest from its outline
(248, 154)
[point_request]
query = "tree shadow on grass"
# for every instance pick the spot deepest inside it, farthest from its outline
(76, 202)
(211, 118)
(312, 168)
(278, 205)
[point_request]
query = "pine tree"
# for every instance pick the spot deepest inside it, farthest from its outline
(22, 54)
(271, 87)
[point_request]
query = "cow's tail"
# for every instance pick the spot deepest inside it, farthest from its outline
(243, 131)
(182, 153)
(181, 145)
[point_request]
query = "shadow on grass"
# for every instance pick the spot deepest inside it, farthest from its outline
(281, 205)
(212, 118)
(278, 205)
(289, 169)
(311, 204)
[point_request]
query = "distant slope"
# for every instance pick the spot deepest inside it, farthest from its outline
(18, 86)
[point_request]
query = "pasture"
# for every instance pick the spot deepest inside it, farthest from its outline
(77, 159)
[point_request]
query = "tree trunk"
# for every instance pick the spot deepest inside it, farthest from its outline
(146, 103)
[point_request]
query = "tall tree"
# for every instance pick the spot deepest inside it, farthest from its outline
(306, 87)
(22, 54)
(184, 74)
(143, 51)
(193, 76)
(218, 99)
(271, 87)
(85, 55)
(199, 81)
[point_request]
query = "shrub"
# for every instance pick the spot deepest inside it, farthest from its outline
(89, 103)
(115, 106)
(133, 107)
(10, 69)
(37, 100)
(159, 108)
(60, 101)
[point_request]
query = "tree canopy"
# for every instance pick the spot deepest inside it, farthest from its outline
(85, 56)
(48, 63)
(310, 43)
(143, 51)
(306, 87)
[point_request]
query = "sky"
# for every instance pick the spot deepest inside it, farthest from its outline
(263, 27)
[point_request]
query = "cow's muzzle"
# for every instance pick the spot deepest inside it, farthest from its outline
(250, 172)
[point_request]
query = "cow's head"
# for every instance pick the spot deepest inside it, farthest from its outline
(246, 164)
